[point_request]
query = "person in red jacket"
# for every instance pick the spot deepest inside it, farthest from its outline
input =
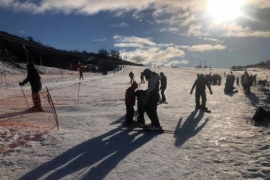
(130, 103)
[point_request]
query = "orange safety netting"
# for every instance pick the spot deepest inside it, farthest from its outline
(18, 125)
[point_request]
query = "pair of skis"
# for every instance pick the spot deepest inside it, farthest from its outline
(146, 129)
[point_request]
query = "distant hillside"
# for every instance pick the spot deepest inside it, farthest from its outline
(23, 50)
(263, 65)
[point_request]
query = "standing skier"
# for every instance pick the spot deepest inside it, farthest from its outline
(131, 75)
(81, 73)
(142, 78)
(163, 82)
(34, 78)
(152, 96)
(200, 84)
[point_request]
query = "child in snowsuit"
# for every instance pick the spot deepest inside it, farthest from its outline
(200, 84)
(34, 79)
(130, 102)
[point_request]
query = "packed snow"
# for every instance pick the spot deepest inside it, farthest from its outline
(91, 143)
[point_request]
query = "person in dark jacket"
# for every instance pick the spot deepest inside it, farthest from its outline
(81, 73)
(131, 75)
(142, 78)
(130, 103)
(33, 78)
(152, 93)
(163, 86)
(200, 84)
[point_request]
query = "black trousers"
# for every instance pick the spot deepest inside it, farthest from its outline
(163, 98)
(129, 113)
(198, 96)
(151, 109)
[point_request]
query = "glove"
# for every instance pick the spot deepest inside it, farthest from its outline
(20, 84)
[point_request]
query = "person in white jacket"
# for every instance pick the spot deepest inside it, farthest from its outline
(153, 98)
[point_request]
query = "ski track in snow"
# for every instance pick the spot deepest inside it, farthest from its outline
(90, 144)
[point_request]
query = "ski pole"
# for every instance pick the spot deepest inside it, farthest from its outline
(25, 97)
(79, 92)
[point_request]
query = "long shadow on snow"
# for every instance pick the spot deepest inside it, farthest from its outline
(254, 100)
(189, 127)
(94, 158)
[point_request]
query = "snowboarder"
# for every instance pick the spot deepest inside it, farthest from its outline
(151, 99)
(34, 78)
(200, 84)
(130, 102)
(163, 82)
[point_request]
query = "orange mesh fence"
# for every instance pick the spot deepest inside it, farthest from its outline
(85, 93)
(19, 125)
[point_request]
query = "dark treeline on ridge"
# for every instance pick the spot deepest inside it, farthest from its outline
(16, 49)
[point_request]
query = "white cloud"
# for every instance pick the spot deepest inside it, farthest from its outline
(101, 40)
(176, 63)
(206, 47)
(142, 42)
(235, 30)
(123, 24)
(147, 51)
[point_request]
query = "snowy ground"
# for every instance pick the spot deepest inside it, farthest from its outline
(91, 145)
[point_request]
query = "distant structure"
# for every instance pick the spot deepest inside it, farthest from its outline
(204, 63)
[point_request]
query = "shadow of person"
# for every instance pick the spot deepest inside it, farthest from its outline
(119, 121)
(189, 128)
(92, 159)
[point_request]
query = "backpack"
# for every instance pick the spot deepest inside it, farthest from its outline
(259, 115)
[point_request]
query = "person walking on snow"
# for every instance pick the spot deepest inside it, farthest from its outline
(163, 82)
(130, 103)
(200, 84)
(152, 96)
(131, 75)
(34, 78)
(142, 78)
(81, 73)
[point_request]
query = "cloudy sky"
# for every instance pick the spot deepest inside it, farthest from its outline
(220, 33)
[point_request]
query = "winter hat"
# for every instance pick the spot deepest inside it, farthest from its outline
(147, 73)
(30, 66)
(134, 85)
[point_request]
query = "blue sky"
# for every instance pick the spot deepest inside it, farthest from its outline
(171, 32)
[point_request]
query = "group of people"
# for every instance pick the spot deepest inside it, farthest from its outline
(149, 99)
